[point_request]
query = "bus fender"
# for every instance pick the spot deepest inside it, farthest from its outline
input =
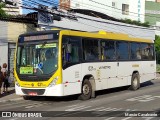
(92, 81)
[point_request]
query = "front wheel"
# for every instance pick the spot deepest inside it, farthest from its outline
(25, 97)
(135, 82)
(86, 90)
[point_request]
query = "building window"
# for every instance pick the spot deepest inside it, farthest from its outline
(125, 9)
(113, 4)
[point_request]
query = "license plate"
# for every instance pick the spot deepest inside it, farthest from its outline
(32, 93)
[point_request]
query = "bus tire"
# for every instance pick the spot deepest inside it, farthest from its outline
(86, 90)
(25, 97)
(135, 82)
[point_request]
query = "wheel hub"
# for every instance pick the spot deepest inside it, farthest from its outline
(86, 89)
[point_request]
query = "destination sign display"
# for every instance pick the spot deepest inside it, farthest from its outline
(38, 37)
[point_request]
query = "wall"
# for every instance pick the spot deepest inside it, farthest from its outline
(9, 33)
(105, 6)
(15, 29)
(3, 53)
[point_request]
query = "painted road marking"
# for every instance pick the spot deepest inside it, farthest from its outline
(105, 111)
(109, 118)
(70, 111)
(96, 109)
(72, 105)
(75, 110)
(78, 108)
(144, 98)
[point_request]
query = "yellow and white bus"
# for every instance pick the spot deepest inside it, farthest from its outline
(66, 62)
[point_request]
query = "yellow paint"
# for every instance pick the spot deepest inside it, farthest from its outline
(108, 35)
(102, 32)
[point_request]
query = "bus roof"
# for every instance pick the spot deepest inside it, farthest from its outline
(100, 34)
(106, 35)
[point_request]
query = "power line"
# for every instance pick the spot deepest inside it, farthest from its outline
(85, 18)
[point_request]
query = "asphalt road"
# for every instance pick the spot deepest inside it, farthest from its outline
(112, 104)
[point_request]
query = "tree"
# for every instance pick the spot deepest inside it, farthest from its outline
(2, 12)
(157, 43)
(134, 22)
(157, 47)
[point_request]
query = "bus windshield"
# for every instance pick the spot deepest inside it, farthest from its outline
(37, 58)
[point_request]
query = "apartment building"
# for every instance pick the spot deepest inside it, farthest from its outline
(120, 9)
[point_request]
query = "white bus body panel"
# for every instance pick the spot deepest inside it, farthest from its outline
(72, 79)
(106, 75)
(56, 90)
(148, 70)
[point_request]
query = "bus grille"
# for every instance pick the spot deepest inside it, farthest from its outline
(38, 91)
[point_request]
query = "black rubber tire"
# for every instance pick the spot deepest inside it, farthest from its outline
(86, 87)
(25, 97)
(135, 82)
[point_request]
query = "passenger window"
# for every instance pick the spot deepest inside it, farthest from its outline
(90, 48)
(147, 51)
(135, 51)
(122, 50)
(108, 50)
(75, 54)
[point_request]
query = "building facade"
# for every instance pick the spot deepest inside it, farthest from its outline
(120, 9)
(8, 38)
(13, 7)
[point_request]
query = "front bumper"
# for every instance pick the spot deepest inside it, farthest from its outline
(56, 90)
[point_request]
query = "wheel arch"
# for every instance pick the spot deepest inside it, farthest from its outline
(136, 72)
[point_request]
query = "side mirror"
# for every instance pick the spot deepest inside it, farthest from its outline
(69, 48)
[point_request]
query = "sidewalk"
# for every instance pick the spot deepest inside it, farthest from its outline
(11, 96)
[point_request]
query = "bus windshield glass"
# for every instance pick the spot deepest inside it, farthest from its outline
(37, 58)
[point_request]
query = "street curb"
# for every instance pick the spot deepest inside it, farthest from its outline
(11, 100)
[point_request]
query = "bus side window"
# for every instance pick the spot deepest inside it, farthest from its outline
(147, 51)
(135, 51)
(108, 50)
(75, 54)
(90, 48)
(122, 50)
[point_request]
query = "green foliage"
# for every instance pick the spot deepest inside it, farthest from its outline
(2, 12)
(134, 22)
(157, 43)
(157, 48)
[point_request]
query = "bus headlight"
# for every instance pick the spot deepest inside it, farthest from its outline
(53, 83)
(17, 83)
